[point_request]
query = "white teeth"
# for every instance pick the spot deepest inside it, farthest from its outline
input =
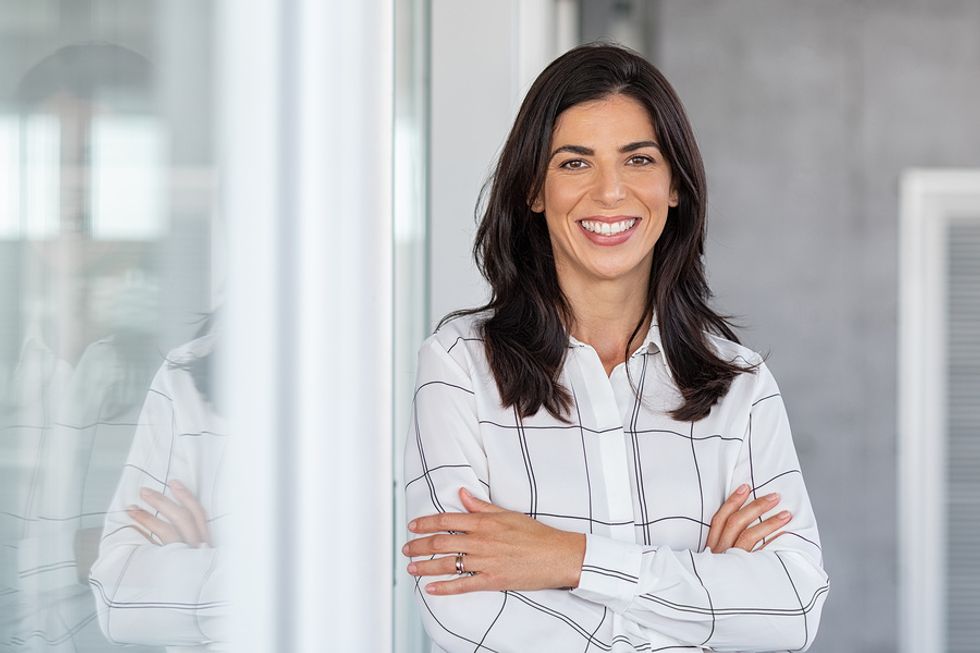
(607, 229)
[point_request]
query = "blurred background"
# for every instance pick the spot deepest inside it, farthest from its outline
(308, 170)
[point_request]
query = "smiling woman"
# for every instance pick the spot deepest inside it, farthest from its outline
(598, 255)
(581, 179)
(588, 451)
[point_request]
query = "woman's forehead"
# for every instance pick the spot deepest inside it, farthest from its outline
(616, 117)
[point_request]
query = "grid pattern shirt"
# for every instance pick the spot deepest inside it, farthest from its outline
(64, 432)
(171, 595)
(641, 486)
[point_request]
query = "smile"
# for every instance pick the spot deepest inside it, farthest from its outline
(608, 228)
(603, 232)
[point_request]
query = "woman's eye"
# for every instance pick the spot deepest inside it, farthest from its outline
(643, 160)
(573, 164)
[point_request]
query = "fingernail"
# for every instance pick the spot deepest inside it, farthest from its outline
(742, 489)
(144, 492)
(411, 525)
(177, 485)
(132, 508)
(411, 568)
(430, 589)
(783, 515)
(467, 492)
(772, 497)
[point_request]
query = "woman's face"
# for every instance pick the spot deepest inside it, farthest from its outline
(606, 192)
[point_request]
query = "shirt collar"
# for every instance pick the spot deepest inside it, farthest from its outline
(651, 343)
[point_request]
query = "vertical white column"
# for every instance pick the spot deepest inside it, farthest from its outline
(921, 420)
(307, 128)
(248, 109)
(344, 136)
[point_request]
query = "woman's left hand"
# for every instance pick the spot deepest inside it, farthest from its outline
(508, 550)
(181, 519)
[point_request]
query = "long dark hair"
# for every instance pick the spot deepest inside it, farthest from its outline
(202, 365)
(526, 333)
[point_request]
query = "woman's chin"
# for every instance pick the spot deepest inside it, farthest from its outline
(612, 272)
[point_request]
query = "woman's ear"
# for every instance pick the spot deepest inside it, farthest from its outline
(672, 199)
(537, 205)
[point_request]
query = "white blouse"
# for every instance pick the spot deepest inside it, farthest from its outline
(172, 595)
(641, 486)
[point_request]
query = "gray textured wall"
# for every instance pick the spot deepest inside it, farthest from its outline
(806, 114)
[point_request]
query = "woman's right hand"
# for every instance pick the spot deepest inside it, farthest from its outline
(730, 527)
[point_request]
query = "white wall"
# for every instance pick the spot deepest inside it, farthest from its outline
(484, 57)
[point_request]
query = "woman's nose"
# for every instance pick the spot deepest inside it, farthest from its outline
(608, 187)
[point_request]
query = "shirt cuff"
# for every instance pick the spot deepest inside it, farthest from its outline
(213, 615)
(610, 572)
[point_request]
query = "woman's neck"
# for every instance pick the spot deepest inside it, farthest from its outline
(606, 313)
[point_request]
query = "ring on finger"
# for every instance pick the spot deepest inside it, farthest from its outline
(460, 570)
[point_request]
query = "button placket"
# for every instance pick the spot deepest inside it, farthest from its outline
(607, 447)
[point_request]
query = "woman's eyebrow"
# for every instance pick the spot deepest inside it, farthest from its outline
(588, 151)
(638, 145)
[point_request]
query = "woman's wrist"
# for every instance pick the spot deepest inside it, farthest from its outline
(575, 555)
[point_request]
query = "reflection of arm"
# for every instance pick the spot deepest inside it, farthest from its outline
(444, 452)
(149, 594)
(764, 600)
(58, 509)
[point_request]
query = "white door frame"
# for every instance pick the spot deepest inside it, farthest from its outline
(930, 200)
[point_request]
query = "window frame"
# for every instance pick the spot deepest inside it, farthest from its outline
(931, 199)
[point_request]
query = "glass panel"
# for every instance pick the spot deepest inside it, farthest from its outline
(411, 272)
(127, 178)
(107, 326)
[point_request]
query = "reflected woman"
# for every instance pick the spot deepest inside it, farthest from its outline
(594, 461)
(160, 578)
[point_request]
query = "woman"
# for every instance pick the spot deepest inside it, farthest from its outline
(594, 461)
(160, 577)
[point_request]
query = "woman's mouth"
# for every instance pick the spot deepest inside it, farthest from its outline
(603, 232)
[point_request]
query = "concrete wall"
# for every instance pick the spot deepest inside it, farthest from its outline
(806, 114)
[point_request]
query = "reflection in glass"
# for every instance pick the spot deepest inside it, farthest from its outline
(126, 158)
(158, 577)
(105, 267)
